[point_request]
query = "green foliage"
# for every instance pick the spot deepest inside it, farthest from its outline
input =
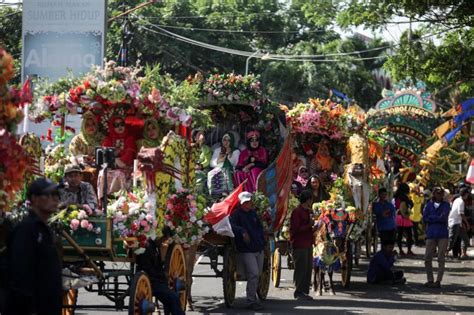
(10, 36)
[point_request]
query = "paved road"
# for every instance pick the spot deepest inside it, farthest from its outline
(455, 297)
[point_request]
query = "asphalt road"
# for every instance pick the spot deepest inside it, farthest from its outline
(455, 297)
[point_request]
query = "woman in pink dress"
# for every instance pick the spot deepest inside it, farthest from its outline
(252, 161)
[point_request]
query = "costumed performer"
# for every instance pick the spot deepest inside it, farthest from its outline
(88, 139)
(203, 161)
(301, 180)
(317, 189)
(252, 161)
(323, 163)
(151, 135)
(223, 161)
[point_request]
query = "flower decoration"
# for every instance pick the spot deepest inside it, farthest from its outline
(184, 215)
(75, 219)
(324, 118)
(133, 220)
(232, 88)
(262, 205)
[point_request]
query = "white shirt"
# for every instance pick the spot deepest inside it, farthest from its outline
(456, 210)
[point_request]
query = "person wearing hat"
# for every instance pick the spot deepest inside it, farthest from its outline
(381, 266)
(435, 216)
(75, 191)
(34, 267)
(250, 242)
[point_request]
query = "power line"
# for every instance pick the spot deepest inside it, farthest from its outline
(220, 15)
(248, 54)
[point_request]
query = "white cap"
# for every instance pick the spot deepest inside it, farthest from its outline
(244, 197)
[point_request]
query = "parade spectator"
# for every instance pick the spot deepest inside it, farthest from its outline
(385, 214)
(457, 222)
(34, 275)
(75, 191)
(403, 204)
(435, 216)
(250, 242)
(252, 161)
(150, 262)
(152, 134)
(316, 187)
(381, 265)
(415, 215)
(301, 237)
(203, 161)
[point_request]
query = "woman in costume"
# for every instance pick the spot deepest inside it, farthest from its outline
(203, 161)
(223, 161)
(88, 139)
(316, 187)
(404, 204)
(124, 144)
(302, 180)
(252, 162)
(151, 135)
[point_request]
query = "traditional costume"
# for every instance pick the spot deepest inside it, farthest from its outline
(85, 143)
(252, 161)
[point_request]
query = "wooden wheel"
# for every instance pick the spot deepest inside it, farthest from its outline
(276, 268)
(141, 294)
(346, 268)
(229, 271)
(69, 299)
(264, 280)
(176, 266)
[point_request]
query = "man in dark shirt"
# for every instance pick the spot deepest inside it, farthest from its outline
(150, 262)
(385, 214)
(380, 267)
(250, 242)
(34, 278)
(301, 236)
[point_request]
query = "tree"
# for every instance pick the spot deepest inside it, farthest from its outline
(10, 36)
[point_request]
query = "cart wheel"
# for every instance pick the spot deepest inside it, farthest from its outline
(346, 269)
(276, 268)
(69, 299)
(176, 263)
(141, 295)
(264, 280)
(229, 270)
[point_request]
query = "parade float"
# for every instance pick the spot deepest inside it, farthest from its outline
(335, 145)
(150, 177)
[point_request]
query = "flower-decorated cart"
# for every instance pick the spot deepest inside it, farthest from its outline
(239, 110)
(332, 143)
(117, 106)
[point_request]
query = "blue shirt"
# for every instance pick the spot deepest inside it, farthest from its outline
(385, 214)
(247, 221)
(436, 220)
(380, 264)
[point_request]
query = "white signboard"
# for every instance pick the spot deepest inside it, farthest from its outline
(62, 35)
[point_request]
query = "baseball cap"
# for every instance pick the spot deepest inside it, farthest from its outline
(244, 197)
(72, 168)
(41, 186)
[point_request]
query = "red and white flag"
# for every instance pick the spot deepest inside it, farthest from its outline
(220, 212)
(470, 173)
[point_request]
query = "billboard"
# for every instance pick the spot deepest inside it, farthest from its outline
(61, 36)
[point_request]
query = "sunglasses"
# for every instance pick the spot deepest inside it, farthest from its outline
(254, 140)
(119, 124)
(303, 171)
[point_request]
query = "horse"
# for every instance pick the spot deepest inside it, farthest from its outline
(330, 248)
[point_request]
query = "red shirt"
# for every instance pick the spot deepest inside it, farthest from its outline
(301, 228)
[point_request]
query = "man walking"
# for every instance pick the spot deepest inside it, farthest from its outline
(435, 216)
(301, 236)
(250, 242)
(34, 277)
(457, 222)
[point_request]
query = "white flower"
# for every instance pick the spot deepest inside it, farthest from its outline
(199, 223)
(192, 219)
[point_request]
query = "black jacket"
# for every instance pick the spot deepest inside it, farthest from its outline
(34, 277)
(249, 222)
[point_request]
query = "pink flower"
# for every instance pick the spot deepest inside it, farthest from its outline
(143, 223)
(74, 225)
(87, 209)
(146, 229)
(81, 215)
(84, 224)
(149, 217)
(90, 227)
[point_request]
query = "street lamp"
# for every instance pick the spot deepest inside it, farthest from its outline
(247, 62)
